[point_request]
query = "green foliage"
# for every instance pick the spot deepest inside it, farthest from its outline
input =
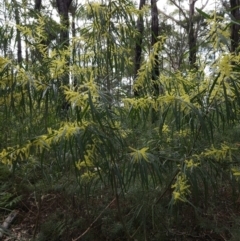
(9, 200)
(53, 228)
(99, 149)
(9, 197)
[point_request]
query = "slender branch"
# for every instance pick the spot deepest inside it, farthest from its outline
(173, 19)
(204, 5)
(179, 7)
(96, 219)
(168, 187)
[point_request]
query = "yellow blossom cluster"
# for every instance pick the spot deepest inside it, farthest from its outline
(225, 152)
(181, 188)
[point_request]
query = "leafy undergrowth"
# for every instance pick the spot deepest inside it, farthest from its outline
(53, 205)
(58, 211)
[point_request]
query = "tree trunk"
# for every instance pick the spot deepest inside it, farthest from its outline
(63, 8)
(38, 4)
(192, 41)
(18, 35)
(74, 51)
(155, 33)
(235, 37)
(138, 48)
(155, 70)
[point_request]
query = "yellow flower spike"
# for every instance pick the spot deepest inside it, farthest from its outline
(235, 171)
(177, 196)
(223, 153)
(3, 63)
(78, 164)
(225, 65)
(181, 188)
(165, 128)
(190, 163)
(169, 139)
(138, 155)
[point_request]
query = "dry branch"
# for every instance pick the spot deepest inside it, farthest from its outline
(94, 220)
(7, 222)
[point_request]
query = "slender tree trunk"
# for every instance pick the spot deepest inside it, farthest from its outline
(38, 4)
(108, 59)
(18, 35)
(73, 10)
(156, 66)
(63, 9)
(155, 33)
(138, 48)
(192, 41)
(235, 35)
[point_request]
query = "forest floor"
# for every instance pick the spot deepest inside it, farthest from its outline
(53, 217)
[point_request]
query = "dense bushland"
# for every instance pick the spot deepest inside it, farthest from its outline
(85, 161)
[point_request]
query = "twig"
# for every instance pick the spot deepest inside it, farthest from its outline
(7, 222)
(168, 187)
(38, 204)
(179, 7)
(172, 18)
(90, 226)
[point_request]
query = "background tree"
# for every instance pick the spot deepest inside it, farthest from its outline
(155, 34)
(63, 7)
(191, 23)
(18, 34)
(235, 12)
(139, 42)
